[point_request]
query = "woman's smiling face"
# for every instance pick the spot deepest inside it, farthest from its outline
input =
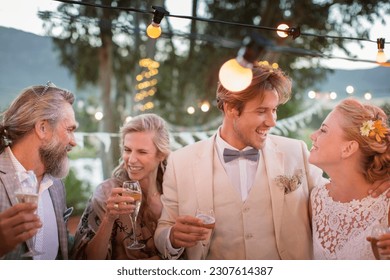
(140, 155)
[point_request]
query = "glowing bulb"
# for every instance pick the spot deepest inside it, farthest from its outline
(333, 95)
(283, 34)
(381, 57)
(235, 77)
(349, 89)
(98, 116)
(190, 110)
(312, 94)
(368, 96)
(205, 107)
(153, 30)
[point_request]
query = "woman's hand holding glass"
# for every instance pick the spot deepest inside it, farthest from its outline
(380, 242)
(119, 204)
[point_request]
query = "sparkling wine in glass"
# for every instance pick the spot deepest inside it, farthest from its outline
(27, 192)
(208, 222)
(208, 219)
(376, 232)
(133, 189)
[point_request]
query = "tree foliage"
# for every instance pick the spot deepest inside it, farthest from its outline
(102, 47)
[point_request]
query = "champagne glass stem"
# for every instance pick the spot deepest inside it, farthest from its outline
(134, 223)
(31, 248)
(135, 245)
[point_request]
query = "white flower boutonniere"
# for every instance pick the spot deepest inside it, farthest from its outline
(289, 183)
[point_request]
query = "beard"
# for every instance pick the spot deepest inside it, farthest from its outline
(55, 158)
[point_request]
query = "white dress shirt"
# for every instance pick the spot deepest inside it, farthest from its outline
(47, 236)
(241, 171)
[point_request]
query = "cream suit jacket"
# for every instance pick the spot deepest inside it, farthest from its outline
(188, 185)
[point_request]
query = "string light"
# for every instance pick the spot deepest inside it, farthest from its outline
(190, 110)
(205, 106)
(367, 96)
(294, 31)
(146, 84)
(312, 94)
(284, 31)
(236, 74)
(333, 95)
(381, 57)
(349, 89)
(154, 29)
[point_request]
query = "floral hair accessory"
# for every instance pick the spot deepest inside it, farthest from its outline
(374, 129)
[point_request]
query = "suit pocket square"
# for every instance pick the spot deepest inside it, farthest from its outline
(67, 213)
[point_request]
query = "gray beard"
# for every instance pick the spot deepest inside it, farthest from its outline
(55, 160)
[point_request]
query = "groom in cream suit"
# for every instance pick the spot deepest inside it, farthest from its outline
(258, 185)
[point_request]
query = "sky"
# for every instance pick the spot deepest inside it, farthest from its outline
(21, 14)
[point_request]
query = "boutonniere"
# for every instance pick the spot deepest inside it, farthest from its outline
(289, 183)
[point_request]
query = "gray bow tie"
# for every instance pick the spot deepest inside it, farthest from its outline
(229, 155)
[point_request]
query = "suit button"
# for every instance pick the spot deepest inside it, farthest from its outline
(248, 235)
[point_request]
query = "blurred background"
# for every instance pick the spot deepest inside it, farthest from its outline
(100, 51)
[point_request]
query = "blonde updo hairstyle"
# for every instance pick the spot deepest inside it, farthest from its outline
(376, 155)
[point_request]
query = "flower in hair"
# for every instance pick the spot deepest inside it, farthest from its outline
(366, 127)
(374, 129)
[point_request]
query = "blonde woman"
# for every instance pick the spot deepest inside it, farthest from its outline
(105, 228)
(353, 147)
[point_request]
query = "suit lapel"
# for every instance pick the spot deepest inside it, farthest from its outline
(7, 176)
(203, 179)
(203, 174)
(56, 194)
(274, 164)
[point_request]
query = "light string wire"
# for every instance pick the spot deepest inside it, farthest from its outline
(215, 21)
(240, 25)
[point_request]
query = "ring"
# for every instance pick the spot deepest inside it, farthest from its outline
(116, 205)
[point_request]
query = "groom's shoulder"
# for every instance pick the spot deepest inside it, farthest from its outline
(282, 140)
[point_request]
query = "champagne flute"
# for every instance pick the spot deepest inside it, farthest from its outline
(133, 189)
(376, 232)
(27, 192)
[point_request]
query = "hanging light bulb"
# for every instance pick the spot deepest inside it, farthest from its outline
(235, 77)
(381, 57)
(154, 29)
(283, 34)
(284, 31)
(236, 74)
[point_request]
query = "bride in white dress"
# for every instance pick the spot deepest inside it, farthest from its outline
(353, 147)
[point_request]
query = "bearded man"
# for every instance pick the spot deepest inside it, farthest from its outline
(36, 133)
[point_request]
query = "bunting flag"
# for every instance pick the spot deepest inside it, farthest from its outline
(181, 136)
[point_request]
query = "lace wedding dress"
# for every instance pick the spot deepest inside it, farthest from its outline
(340, 229)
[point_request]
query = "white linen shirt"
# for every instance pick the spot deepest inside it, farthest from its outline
(49, 231)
